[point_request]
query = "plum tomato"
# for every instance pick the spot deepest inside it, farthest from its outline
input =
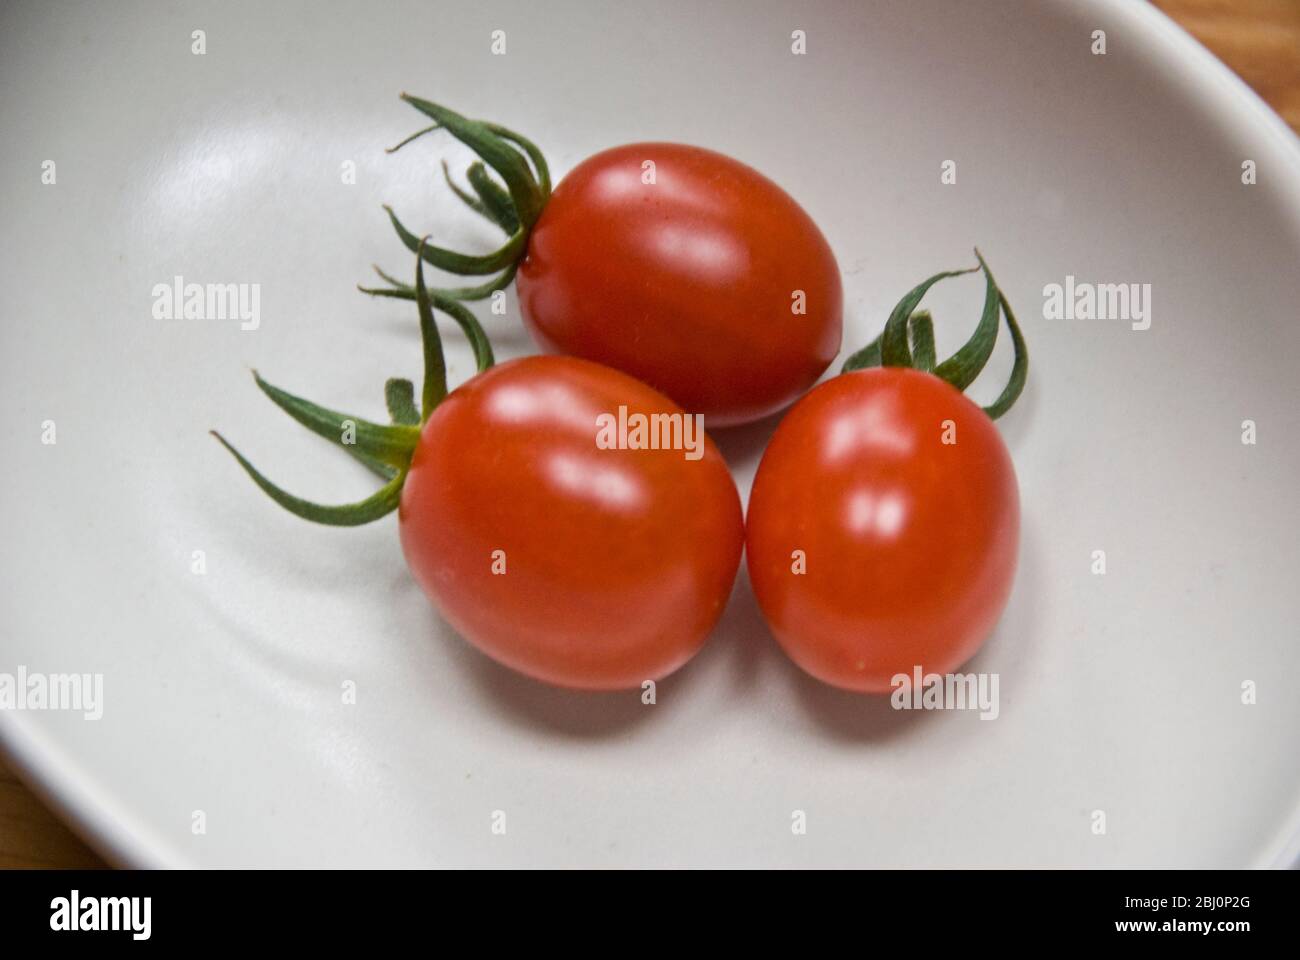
(883, 527)
(568, 520)
(884, 519)
(680, 266)
(582, 567)
(709, 283)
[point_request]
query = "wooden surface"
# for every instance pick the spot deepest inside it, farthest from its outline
(1260, 39)
(30, 836)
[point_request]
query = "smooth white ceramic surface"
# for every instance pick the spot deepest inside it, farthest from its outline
(222, 692)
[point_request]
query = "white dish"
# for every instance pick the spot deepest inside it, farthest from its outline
(222, 692)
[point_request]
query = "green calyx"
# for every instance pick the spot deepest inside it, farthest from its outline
(384, 449)
(513, 204)
(908, 341)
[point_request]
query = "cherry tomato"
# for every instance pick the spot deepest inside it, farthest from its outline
(900, 497)
(709, 283)
(580, 566)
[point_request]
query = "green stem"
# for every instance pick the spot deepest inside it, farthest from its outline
(386, 449)
(1019, 368)
(965, 365)
(495, 201)
(390, 445)
(403, 291)
(399, 398)
(894, 351)
(383, 501)
(514, 208)
(496, 151)
(907, 323)
(415, 136)
(465, 264)
(538, 160)
(434, 386)
(478, 339)
(489, 200)
(467, 198)
(921, 328)
(448, 301)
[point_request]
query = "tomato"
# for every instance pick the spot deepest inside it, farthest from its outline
(693, 283)
(580, 566)
(680, 266)
(570, 521)
(908, 542)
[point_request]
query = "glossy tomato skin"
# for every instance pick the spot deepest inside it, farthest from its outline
(910, 542)
(617, 562)
(687, 283)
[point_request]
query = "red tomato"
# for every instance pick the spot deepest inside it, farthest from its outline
(909, 542)
(691, 283)
(580, 566)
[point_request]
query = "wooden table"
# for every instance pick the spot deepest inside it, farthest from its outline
(31, 836)
(1260, 39)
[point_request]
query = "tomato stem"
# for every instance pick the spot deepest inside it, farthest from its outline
(489, 200)
(415, 136)
(907, 323)
(500, 149)
(514, 208)
(540, 169)
(462, 263)
(467, 198)
(378, 504)
(402, 291)
(434, 386)
(399, 398)
(449, 302)
(965, 365)
(385, 449)
(894, 351)
(921, 332)
(387, 444)
(1019, 370)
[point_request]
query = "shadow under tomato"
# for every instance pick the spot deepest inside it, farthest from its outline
(727, 671)
(745, 443)
(862, 718)
(582, 714)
